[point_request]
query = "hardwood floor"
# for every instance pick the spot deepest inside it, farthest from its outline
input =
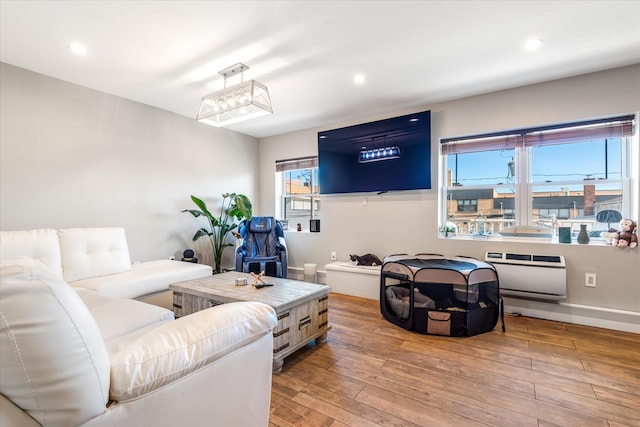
(539, 373)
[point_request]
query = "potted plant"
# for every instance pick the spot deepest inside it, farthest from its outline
(449, 228)
(234, 207)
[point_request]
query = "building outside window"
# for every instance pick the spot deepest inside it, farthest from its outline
(466, 205)
(531, 181)
(297, 192)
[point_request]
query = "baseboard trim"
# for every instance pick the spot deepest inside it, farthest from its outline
(600, 317)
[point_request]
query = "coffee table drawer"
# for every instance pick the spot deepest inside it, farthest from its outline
(299, 323)
(184, 304)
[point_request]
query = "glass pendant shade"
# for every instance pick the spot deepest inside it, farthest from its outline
(234, 104)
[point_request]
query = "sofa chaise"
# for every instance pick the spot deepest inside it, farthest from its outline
(72, 356)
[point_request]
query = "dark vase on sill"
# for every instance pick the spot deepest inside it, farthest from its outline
(583, 236)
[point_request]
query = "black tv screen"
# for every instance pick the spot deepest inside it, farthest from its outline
(386, 155)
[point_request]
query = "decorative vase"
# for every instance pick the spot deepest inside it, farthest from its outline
(564, 234)
(583, 236)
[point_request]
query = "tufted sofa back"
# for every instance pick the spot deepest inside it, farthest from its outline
(93, 252)
(32, 248)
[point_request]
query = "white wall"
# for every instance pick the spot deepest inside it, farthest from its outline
(407, 222)
(74, 157)
(71, 156)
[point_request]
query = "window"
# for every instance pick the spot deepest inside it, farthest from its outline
(467, 205)
(297, 191)
(531, 181)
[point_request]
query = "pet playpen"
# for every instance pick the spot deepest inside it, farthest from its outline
(433, 294)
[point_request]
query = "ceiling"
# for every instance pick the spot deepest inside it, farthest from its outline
(167, 54)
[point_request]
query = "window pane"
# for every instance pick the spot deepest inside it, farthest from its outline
(495, 205)
(299, 199)
(302, 181)
(481, 168)
(597, 159)
(316, 206)
(573, 205)
(297, 210)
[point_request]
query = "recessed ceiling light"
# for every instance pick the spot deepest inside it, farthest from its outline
(77, 48)
(359, 79)
(533, 43)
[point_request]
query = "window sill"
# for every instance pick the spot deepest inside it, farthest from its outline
(594, 240)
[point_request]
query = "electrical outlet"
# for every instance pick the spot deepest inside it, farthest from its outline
(590, 280)
(333, 256)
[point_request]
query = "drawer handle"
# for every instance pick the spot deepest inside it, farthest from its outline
(283, 315)
(323, 299)
(282, 332)
(321, 312)
(276, 350)
(304, 322)
(177, 306)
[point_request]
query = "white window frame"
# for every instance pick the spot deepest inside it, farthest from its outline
(523, 179)
(282, 198)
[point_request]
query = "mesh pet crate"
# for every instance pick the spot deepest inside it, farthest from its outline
(433, 294)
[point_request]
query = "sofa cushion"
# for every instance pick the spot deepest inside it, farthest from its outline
(145, 278)
(93, 252)
(54, 362)
(118, 317)
(32, 249)
(185, 345)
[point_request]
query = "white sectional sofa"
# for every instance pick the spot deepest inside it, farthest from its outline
(98, 259)
(73, 356)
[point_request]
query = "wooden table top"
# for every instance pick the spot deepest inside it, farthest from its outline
(283, 294)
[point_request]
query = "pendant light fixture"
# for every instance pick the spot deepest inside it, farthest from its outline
(237, 103)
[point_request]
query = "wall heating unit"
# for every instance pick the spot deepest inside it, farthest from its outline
(530, 276)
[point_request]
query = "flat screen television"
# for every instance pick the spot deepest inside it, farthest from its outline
(387, 155)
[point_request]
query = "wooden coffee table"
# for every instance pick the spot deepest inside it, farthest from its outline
(302, 308)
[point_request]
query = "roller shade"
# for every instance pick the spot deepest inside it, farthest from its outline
(587, 132)
(295, 164)
(612, 127)
(500, 142)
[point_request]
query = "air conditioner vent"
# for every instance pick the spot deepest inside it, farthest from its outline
(530, 276)
(519, 257)
(547, 258)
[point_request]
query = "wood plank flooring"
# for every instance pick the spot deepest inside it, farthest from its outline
(539, 373)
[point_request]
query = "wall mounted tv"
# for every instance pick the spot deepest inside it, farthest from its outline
(386, 155)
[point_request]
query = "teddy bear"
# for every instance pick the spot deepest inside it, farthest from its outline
(626, 236)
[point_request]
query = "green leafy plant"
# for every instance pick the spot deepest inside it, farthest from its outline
(448, 229)
(235, 207)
